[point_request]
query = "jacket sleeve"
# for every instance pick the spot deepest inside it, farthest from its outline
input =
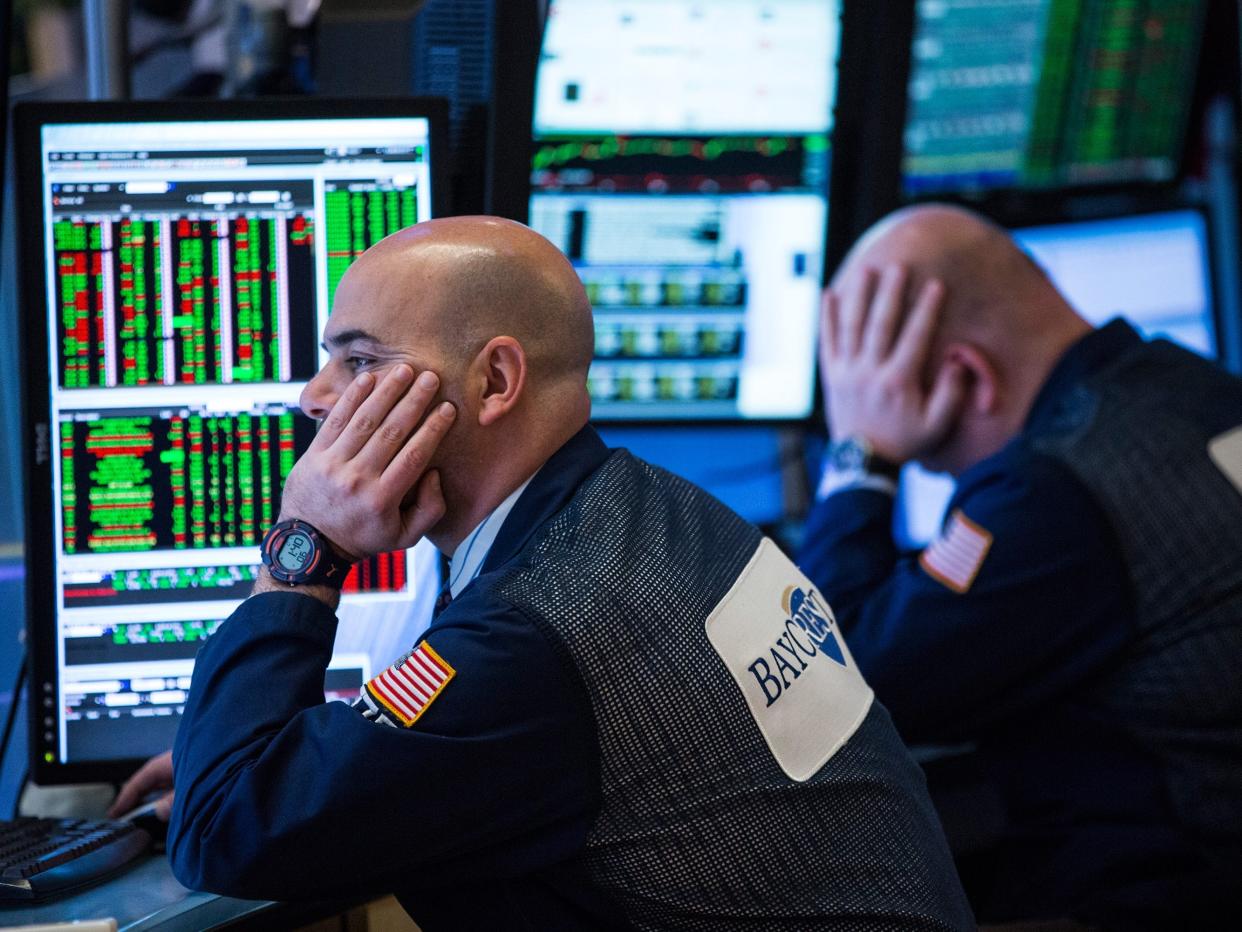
(951, 647)
(281, 795)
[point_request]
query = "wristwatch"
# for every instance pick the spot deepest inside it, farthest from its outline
(854, 457)
(294, 552)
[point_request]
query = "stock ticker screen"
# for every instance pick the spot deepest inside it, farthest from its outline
(681, 162)
(1048, 93)
(190, 269)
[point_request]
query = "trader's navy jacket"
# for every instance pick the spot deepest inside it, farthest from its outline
(640, 716)
(1080, 619)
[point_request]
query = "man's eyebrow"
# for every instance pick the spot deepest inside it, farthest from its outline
(345, 337)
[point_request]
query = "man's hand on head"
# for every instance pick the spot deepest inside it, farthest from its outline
(365, 483)
(873, 355)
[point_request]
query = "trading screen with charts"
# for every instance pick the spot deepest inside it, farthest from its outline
(190, 269)
(681, 159)
(1048, 93)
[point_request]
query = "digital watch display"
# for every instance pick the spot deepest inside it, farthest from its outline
(294, 552)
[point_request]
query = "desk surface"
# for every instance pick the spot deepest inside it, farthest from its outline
(147, 896)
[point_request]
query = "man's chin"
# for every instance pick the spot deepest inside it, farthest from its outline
(439, 537)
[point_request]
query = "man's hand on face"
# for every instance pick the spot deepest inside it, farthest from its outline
(364, 482)
(872, 358)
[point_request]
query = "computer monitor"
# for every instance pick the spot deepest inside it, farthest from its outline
(179, 265)
(1153, 269)
(681, 160)
(1048, 94)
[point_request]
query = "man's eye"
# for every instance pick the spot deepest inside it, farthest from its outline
(358, 363)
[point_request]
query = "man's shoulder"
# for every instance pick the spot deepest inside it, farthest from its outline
(1020, 467)
(1160, 379)
(657, 501)
(628, 489)
(629, 524)
(1023, 494)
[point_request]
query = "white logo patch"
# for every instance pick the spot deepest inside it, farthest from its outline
(1226, 453)
(780, 641)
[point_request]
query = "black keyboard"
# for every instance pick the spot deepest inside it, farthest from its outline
(45, 857)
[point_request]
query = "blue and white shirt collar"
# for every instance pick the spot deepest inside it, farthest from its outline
(467, 559)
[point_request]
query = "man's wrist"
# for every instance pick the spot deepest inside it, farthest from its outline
(328, 595)
(295, 552)
(832, 482)
(336, 548)
(852, 463)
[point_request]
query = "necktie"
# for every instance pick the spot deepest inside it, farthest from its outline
(442, 600)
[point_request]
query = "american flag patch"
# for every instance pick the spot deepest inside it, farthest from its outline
(954, 558)
(402, 693)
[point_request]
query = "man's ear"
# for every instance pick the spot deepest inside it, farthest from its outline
(983, 387)
(502, 366)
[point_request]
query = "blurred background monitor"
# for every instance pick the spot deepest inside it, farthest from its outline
(1048, 93)
(179, 265)
(1153, 269)
(681, 162)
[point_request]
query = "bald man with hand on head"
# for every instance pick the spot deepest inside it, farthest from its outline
(1079, 616)
(630, 710)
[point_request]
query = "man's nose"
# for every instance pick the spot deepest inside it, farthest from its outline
(318, 397)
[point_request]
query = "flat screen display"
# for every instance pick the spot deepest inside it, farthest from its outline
(1153, 269)
(681, 159)
(182, 271)
(1048, 93)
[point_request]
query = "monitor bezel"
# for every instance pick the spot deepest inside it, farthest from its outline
(35, 382)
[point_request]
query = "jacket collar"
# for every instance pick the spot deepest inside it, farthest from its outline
(553, 485)
(1088, 356)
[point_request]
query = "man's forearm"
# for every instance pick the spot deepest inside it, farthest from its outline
(848, 551)
(257, 681)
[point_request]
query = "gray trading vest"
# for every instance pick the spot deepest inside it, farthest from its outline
(1137, 435)
(699, 827)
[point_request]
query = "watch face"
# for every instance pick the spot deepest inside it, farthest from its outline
(849, 456)
(295, 551)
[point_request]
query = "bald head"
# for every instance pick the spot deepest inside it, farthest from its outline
(499, 316)
(461, 281)
(996, 296)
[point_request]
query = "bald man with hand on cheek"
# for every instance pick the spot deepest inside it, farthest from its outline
(1079, 616)
(616, 719)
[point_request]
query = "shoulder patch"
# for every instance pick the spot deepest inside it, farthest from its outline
(779, 640)
(955, 557)
(404, 691)
(1226, 453)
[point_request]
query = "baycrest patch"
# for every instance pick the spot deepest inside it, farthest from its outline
(779, 639)
(1226, 453)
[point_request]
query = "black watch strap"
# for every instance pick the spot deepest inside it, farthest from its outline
(879, 466)
(296, 553)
